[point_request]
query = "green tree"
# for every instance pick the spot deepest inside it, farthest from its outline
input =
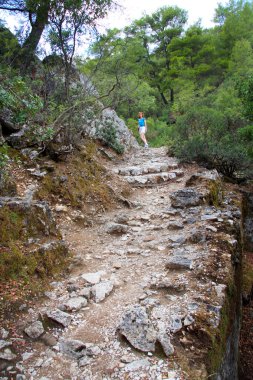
(156, 33)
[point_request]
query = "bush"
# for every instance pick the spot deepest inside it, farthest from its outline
(17, 97)
(205, 135)
(108, 135)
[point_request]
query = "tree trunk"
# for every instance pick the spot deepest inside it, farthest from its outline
(165, 101)
(172, 95)
(30, 45)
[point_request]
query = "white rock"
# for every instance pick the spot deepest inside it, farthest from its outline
(92, 278)
(75, 303)
(101, 290)
(35, 330)
(137, 365)
(61, 208)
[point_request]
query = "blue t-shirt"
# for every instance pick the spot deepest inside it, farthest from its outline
(141, 122)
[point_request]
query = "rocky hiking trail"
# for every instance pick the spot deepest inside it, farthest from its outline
(143, 274)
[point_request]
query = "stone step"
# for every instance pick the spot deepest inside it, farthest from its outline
(154, 178)
(146, 169)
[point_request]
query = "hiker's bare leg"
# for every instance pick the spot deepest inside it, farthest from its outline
(143, 137)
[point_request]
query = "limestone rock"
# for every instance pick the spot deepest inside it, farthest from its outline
(203, 178)
(85, 360)
(189, 320)
(35, 330)
(78, 349)
(3, 333)
(179, 262)
(186, 198)
(137, 365)
(175, 226)
(164, 339)
(49, 340)
(59, 317)
(102, 290)
(36, 216)
(74, 348)
(122, 219)
(61, 208)
(4, 343)
(138, 329)
(74, 304)
(116, 228)
(85, 292)
(7, 355)
(92, 278)
(175, 324)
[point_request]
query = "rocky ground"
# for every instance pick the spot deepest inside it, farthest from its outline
(146, 285)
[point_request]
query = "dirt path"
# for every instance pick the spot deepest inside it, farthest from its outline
(122, 261)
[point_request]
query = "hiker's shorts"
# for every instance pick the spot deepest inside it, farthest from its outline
(142, 130)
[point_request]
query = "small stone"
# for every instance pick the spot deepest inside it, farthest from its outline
(7, 355)
(35, 330)
(85, 292)
(20, 377)
(116, 228)
(211, 228)
(137, 365)
(189, 320)
(74, 304)
(49, 340)
(72, 288)
(92, 278)
(60, 317)
(175, 226)
(102, 290)
(84, 361)
(117, 265)
(26, 355)
(126, 359)
(175, 324)
(137, 329)
(4, 343)
(3, 333)
(179, 262)
(74, 348)
(61, 208)
(164, 339)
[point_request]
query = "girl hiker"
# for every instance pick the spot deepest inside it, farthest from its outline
(142, 126)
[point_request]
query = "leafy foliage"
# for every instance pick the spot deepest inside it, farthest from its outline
(17, 96)
(4, 157)
(108, 135)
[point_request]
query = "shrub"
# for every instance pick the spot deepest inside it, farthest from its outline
(108, 135)
(205, 135)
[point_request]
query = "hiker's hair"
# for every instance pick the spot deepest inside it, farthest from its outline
(140, 115)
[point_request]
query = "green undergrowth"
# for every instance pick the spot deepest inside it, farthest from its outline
(216, 193)
(78, 181)
(11, 225)
(16, 262)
